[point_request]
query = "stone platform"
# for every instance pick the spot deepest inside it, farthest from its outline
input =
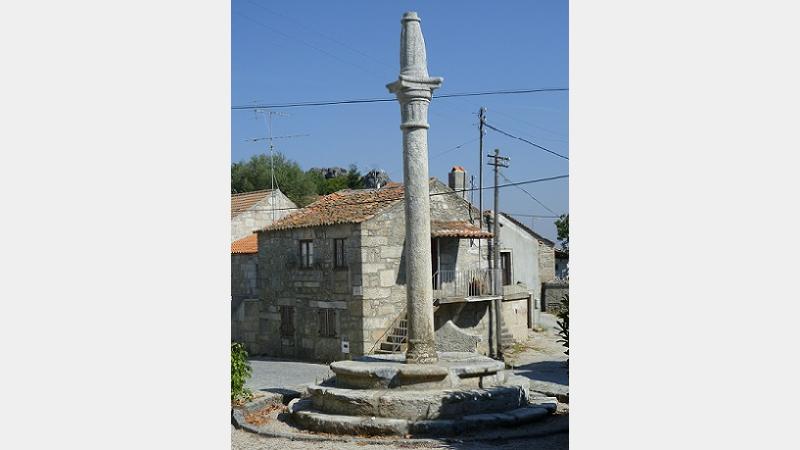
(454, 369)
(380, 395)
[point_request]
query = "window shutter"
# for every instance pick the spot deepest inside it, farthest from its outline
(331, 322)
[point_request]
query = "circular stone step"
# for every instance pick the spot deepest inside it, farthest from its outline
(422, 404)
(302, 412)
(454, 369)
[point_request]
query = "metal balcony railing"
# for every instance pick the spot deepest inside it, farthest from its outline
(462, 283)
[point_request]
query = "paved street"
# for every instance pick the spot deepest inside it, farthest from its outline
(271, 373)
(540, 358)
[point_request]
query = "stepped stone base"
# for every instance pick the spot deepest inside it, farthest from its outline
(380, 395)
(303, 414)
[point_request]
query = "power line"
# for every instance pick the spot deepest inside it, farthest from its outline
(391, 99)
(355, 50)
(291, 38)
(535, 216)
(529, 194)
(526, 141)
(400, 197)
(454, 148)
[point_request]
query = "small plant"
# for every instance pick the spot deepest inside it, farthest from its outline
(563, 323)
(240, 372)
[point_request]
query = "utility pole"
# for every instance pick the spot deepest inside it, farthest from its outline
(499, 161)
(481, 113)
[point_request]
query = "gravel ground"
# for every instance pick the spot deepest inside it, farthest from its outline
(243, 440)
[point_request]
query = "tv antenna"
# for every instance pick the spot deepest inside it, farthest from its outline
(271, 147)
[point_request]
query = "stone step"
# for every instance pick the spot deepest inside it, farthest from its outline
(387, 347)
(303, 412)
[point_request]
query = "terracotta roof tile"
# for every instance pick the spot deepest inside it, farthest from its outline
(244, 201)
(347, 206)
(457, 228)
(245, 245)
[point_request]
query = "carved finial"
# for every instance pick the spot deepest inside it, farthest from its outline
(413, 58)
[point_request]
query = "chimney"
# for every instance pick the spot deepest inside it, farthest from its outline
(457, 180)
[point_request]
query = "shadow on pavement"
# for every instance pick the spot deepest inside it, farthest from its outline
(551, 371)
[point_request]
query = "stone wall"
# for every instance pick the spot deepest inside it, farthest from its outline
(260, 215)
(245, 308)
(244, 269)
(552, 292)
(547, 262)
(383, 254)
(309, 291)
(245, 318)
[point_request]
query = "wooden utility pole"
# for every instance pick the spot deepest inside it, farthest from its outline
(481, 113)
(498, 162)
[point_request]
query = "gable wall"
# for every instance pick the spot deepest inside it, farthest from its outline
(260, 215)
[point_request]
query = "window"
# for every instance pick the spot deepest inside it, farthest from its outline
(306, 253)
(505, 267)
(338, 253)
(287, 321)
(327, 322)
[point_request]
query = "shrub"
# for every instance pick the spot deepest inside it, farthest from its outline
(563, 323)
(240, 372)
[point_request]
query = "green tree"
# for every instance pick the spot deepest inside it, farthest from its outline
(255, 174)
(324, 186)
(562, 227)
(354, 178)
(563, 323)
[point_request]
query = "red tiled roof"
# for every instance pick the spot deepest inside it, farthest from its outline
(244, 201)
(347, 206)
(247, 244)
(457, 228)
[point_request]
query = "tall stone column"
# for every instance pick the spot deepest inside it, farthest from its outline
(414, 89)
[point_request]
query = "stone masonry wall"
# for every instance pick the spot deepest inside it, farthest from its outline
(553, 292)
(260, 215)
(383, 253)
(244, 324)
(308, 291)
(245, 309)
(547, 262)
(244, 268)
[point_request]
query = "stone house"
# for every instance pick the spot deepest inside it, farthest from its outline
(244, 289)
(251, 211)
(332, 277)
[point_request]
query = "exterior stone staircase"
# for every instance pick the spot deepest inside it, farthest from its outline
(396, 341)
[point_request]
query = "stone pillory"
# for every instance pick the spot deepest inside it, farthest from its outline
(421, 392)
(414, 88)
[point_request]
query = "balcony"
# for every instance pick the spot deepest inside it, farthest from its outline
(451, 286)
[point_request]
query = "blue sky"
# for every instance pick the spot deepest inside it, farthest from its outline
(313, 50)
